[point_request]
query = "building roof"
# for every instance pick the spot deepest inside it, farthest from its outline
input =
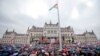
(51, 24)
(80, 35)
(11, 32)
(21, 34)
(67, 29)
(90, 33)
(37, 29)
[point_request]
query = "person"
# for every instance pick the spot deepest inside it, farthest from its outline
(46, 53)
(72, 51)
(64, 52)
(98, 51)
(33, 53)
(41, 53)
(49, 53)
(78, 51)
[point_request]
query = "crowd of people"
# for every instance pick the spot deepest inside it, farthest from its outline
(9, 50)
(69, 51)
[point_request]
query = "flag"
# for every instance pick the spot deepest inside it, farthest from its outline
(55, 6)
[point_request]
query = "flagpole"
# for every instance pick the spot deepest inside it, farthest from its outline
(59, 29)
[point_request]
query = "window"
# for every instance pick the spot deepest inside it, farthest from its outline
(55, 32)
(51, 31)
(48, 31)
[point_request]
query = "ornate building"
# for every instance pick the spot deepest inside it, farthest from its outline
(86, 37)
(48, 32)
(11, 37)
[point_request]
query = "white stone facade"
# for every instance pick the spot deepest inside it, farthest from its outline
(86, 37)
(12, 37)
(49, 31)
(67, 33)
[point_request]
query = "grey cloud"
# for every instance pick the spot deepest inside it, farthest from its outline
(10, 16)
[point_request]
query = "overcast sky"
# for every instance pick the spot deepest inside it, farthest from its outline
(82, 15)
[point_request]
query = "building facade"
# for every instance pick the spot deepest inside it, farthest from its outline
(86, 37)
(11, 37)
(48, 31)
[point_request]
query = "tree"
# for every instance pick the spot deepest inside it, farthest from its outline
(32, 39)
(72, 39)
(69, 41)
(63, 38)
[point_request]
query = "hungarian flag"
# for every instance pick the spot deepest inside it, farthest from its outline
(55, 6)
